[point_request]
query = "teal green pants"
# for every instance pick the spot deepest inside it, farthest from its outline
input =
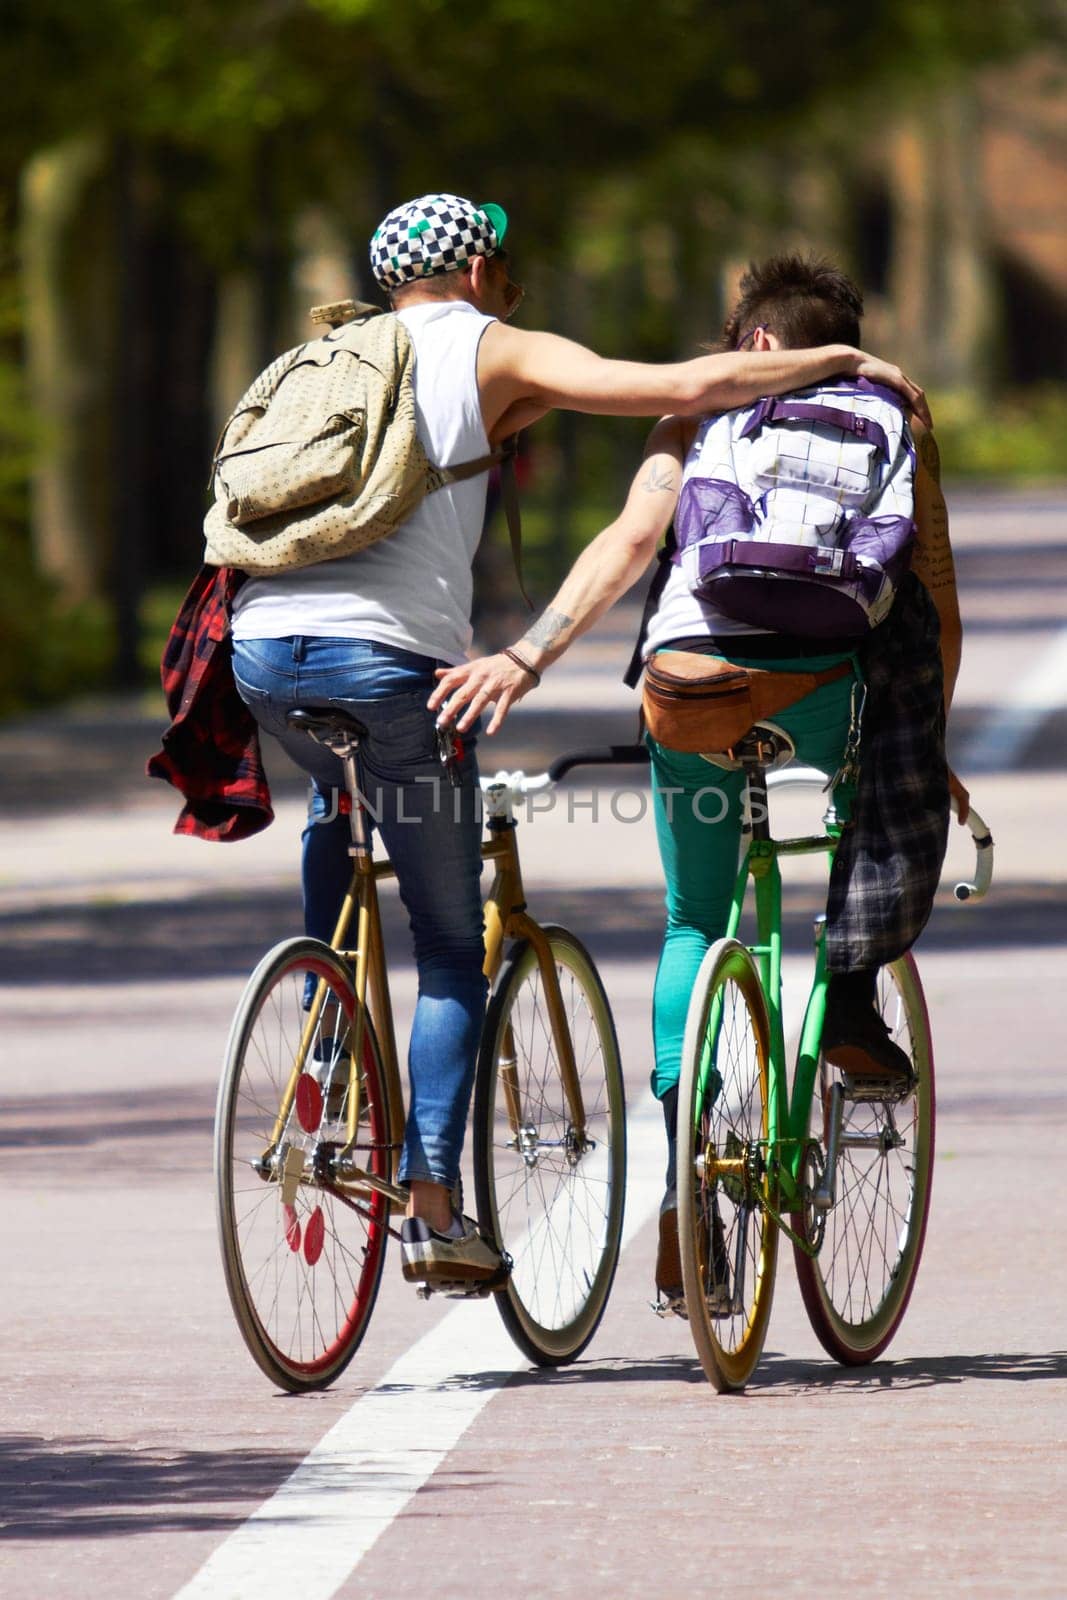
(698, 810)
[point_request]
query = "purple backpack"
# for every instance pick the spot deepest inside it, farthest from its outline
(796, 514)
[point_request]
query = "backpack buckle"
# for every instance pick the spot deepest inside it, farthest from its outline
(829, 561)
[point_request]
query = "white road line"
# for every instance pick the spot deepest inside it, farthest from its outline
(995, 747)
(307, 1538)
(310, 1535)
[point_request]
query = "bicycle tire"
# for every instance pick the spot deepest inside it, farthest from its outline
(555, 1209)
(303, 1273)
(857, 1288)
(728, 1243)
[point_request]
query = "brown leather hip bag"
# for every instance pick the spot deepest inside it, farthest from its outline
(694, 702)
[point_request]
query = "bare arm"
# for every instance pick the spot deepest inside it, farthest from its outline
(544, 370)
(933, 565)
(932, 560)
(606, 568)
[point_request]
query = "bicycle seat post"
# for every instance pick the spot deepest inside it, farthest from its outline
(341, 734)
(760, 749)
(357, 819)
(758, 818)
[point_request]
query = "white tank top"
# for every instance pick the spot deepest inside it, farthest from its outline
(680, 614)
(414, 588)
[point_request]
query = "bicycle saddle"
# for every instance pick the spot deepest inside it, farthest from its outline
(765, 743)
(327, 725)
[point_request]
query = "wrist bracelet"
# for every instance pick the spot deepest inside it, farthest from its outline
(513, 655)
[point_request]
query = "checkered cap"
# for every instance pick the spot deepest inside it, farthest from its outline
(434, 234)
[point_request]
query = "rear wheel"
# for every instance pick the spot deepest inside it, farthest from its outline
(727, 1240)
(550, 1191)
(856, 1289)
(302, 1254)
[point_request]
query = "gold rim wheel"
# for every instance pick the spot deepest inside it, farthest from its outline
(552, 1201)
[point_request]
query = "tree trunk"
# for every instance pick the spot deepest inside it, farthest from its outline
(939, 277)
(68, 256)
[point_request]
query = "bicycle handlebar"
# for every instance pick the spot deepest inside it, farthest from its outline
(511, 786)
(970, 889)
(503, 790)
(983, 847)
(606, 755)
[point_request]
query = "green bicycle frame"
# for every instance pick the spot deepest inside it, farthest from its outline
(788, 1117)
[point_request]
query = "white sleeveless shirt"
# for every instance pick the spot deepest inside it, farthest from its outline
(414, 588)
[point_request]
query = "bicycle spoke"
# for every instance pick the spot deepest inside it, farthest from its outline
(727, 1240)
(302, 1311)
(554, 1199)
(856, 1289)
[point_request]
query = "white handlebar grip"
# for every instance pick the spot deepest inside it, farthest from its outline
(983, 867)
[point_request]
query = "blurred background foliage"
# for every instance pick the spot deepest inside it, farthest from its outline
(181, 180)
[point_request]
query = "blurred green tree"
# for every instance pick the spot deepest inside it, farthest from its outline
(164, 146)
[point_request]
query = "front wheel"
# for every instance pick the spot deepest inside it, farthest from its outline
(856, 1289)
(728, 1241)
(550, 1184)
(302, 1252)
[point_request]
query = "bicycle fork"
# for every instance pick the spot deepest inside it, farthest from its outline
(504, 917)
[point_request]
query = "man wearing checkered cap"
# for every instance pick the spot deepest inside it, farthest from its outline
(370, 631)
(437, 234)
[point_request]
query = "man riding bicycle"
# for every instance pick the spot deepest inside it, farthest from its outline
(883, 881)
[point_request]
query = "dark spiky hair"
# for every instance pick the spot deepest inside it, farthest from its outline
(803, 300)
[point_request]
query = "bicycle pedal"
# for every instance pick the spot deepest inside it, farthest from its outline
(461, 1289)
(867, 1090)
(674, 1306)
(485, 1286)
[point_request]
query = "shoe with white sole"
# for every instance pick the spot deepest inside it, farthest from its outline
(456, 1261)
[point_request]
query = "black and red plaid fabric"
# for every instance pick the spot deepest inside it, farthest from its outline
(888, 863)
(211, 750)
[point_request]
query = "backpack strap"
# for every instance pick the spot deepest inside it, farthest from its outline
(338, 314)
(503, 456)
(773, 410)
(655, 589)
(509, 494)
(808, 560)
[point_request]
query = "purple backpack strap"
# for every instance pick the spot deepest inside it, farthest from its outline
(773, 410)
(881, 391)
(809, 560)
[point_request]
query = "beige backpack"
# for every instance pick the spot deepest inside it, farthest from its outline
(320, 457)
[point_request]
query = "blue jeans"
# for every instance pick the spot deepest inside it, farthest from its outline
(432, 833)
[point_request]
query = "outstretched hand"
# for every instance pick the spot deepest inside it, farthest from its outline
(463, 692)
(884, 372)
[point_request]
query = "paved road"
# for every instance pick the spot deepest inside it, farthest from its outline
(138, 1438)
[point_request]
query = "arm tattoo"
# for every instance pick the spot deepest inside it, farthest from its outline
(658, 480)
(546, 631)
(930, 456)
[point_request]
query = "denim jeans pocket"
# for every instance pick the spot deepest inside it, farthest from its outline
(403, 736)
(255, 698)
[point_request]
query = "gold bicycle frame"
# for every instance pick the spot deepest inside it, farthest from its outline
(505, 918)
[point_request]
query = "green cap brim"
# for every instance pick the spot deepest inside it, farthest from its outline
(499, 218)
